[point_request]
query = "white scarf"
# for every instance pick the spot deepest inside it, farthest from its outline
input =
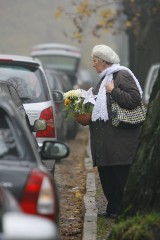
(100, 111)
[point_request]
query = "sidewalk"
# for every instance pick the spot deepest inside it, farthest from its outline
(94, 202)
(90, 209)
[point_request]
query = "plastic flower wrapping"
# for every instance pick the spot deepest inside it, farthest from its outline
(79, 101)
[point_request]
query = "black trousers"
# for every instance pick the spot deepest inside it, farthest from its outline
(113, 179)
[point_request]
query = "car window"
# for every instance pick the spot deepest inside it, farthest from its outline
(54, 82)
(29, 82)
(59, 62)
(15, 96)
(4, 88)
(67, 86)
(8, 148)
(13, 144)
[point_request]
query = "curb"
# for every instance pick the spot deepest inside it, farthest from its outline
(90, 209)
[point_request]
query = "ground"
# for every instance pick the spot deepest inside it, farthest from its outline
(70, 176)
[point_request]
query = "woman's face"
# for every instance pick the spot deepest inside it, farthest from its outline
(99, 64)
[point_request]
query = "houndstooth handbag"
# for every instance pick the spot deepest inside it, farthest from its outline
(132, 117)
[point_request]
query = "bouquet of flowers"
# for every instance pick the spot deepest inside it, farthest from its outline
(79, 104)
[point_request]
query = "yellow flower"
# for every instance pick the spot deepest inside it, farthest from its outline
(78, 101)
(67, 102)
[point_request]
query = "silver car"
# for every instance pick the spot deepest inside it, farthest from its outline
(28, 77)
(150, 80)
(61, 57)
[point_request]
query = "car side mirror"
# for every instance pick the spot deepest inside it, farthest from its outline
(54, 150)
(57, 96)
(40, 125)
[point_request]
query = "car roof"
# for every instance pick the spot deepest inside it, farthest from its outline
(55, 49)
(56, 46)
(56, 53)
(24, 60)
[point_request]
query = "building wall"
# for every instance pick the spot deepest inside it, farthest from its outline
(26, 23)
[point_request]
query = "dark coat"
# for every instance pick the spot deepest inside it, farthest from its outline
(111, 145)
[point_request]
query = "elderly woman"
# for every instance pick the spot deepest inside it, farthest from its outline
(113, 148)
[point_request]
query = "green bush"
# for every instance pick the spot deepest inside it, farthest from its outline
(139, 227)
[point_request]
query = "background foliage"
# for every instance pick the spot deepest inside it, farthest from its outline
(139, 18)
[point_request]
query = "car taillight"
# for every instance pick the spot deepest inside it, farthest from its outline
(47, 114)
(6, 60)
(39, 197)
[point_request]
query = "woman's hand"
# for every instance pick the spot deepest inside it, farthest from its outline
(109, 86)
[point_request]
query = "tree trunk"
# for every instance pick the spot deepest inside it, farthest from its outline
(142, 192)
(144, 53)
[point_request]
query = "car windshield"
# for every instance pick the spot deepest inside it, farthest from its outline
(28, 81)
(64, 63)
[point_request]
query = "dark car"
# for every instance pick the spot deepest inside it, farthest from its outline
(60, 81)
(8, 88)
(21, 168)
(11, 91)
(16, 225)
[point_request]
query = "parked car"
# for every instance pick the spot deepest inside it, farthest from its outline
(85, 79)
(28, 77)
(16, 225)
(61, 57)
(60, 81)
(8, 88)
(21, 167)
(60, 120)
(150, 80)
